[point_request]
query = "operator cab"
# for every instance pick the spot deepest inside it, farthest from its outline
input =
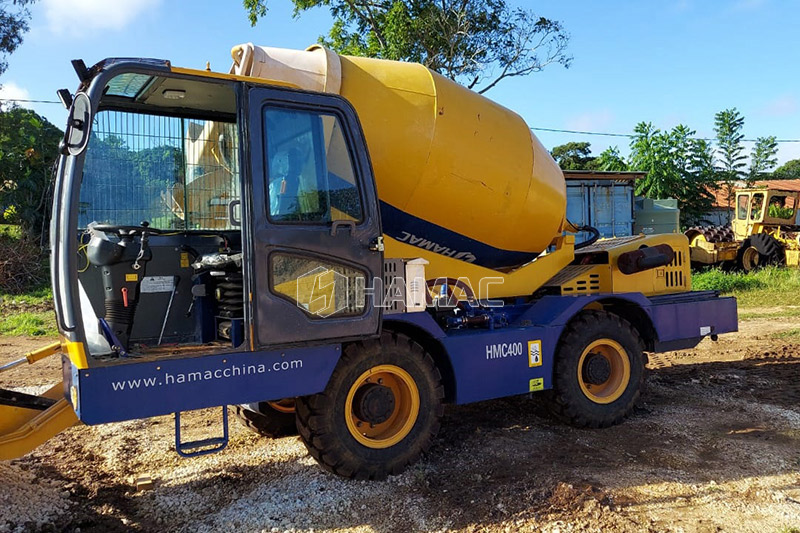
(180, 237)
(160, 255)
(764, 206)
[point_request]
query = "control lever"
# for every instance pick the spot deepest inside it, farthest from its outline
(175, 281)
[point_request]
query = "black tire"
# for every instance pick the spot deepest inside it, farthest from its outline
(745, 258)
(770, 250)
(325, 426)
(567, 400)
(267, 421)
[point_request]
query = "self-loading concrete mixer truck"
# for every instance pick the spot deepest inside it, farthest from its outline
(336, 246)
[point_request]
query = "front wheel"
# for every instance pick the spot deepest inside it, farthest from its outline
(748, 258)
(599, 370)
(379, 412)
(269, 419)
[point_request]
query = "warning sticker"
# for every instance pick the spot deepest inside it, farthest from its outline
(536, 384)
(158, 284)
(131, 277)
(184, 259)
(534, 353)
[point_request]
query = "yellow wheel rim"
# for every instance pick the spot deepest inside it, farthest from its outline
(750, 258)
(283, 406)
(403, 417)
(619, 376)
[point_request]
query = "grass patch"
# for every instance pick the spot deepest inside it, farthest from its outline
(29, 314)
(41, 296)
(726, 282)
(29, 324)
(788, 335)
(768, 287)
(786, 312)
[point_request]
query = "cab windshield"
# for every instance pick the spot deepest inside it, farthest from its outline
(162, 150)
(175, 173)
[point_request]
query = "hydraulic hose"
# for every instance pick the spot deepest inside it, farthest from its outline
(572, 228)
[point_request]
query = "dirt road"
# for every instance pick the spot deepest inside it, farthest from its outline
(714, 446)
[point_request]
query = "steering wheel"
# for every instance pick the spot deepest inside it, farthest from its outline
(128, 230)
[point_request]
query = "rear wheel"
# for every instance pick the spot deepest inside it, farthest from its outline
(760, 250)
(599, 370)
(273, 419)
(379, 412)
(769, 249)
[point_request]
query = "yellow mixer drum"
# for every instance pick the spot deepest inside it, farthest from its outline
(457, 174)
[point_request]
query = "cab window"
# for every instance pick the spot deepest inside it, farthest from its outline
(781, 206)
(176, 173)
(756, 206)
(310, 175)
(741, 211)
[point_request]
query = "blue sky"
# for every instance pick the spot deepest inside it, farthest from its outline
(667, 62)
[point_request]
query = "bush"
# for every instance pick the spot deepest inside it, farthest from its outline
(23, 266)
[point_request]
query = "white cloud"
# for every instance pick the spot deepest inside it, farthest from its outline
(591, 121)
(87, 15)
(12, 91)
(781, 106)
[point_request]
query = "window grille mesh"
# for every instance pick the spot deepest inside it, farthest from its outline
(175, 173)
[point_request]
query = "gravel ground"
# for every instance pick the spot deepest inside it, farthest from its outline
(712, 447)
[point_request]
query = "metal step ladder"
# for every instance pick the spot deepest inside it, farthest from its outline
(199, 447)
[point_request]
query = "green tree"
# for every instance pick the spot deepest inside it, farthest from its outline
(699, 182)
(475, 42)
(574, 156)
(788, 171)
(28, 148)
(678, 165)
(610, 160)
(651, 153)
(728, 126)
(14, 17)
(763, 158)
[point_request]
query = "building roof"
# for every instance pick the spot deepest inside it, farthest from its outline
(721, 200)
(603, 175)
(721, 194)
(785, 185)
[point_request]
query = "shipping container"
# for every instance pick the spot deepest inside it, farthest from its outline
(604, 200)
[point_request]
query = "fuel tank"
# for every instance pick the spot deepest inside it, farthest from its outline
(456, 173)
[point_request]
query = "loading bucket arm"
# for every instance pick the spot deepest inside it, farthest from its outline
(27, 421)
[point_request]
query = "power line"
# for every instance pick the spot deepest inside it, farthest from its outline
(552, 130)
(631, 136)
(29, 101)
(584, 132)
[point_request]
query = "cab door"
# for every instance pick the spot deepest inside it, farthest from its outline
(311, 218)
